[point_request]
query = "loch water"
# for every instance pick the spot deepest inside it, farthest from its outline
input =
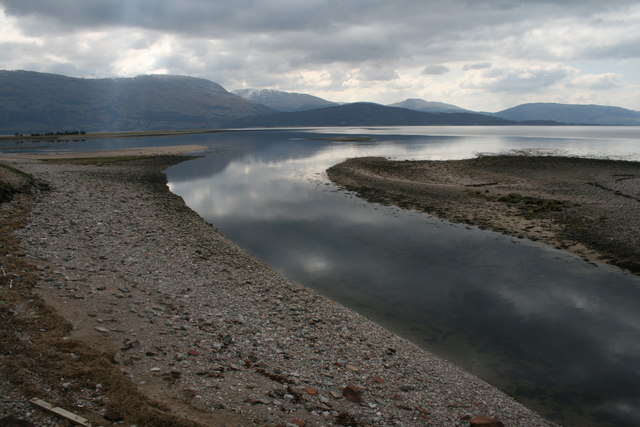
(557, 333)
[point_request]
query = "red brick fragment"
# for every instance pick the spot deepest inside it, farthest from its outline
(483, 421)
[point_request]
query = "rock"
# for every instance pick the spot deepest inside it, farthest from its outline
(335, 394)
(113, 415)
(378, 379)
(312, 391)
(345, 419)
(352, 393)
(193, 352)
(101, 329)
(483, 421)
(129, 344)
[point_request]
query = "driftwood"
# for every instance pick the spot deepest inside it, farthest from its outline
(61, 412)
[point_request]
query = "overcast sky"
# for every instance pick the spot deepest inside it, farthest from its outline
(478, 54)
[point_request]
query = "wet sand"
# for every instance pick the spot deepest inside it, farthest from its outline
(585, 206)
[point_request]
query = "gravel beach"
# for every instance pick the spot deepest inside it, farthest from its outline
(120, 304)
(589, 207)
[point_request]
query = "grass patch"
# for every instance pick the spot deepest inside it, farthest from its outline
(12, 182)
(25, 175)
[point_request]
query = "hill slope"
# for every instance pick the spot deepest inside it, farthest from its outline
(283, 101)
(572, 113)
(429, 106)
(364, 114)
(38, 102)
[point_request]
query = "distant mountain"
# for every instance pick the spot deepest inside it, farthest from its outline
(37, 102)
(429, 106)
(572, 113)
(283, 101)
(364, 114)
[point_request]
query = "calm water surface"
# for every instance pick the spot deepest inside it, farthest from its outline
(560, 334)
(557, 333)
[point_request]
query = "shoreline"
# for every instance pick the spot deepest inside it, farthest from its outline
(587, 207)
(95, 135)
(204, 332)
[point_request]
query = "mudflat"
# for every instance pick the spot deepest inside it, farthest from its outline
(589, 207)
(120, 304)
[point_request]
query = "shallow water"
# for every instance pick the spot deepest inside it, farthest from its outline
(555, 332)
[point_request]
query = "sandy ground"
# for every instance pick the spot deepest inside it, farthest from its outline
(585, 206)
(120, 304)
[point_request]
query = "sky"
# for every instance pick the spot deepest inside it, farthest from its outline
(484, 55)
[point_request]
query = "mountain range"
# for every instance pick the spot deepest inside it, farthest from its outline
(38, 102)
(32, 102)
(365, 114)
(572, 113)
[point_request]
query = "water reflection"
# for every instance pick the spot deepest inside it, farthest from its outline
(558, 333)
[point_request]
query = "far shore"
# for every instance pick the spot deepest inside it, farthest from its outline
(93, 135)
(585, 206)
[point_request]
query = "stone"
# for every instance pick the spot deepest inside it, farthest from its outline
(378, 379)
(312, 391)
(484, 421)
(113, 415)
(352, 393)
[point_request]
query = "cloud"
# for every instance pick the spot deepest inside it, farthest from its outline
(377, 73)
(436, 70)
(597, 81)
(477, 66)
(518, 79)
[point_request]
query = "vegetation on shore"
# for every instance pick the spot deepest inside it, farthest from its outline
(12, 182)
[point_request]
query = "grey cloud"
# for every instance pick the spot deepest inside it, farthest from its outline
(625, 50)
(436, 70)
(597, 82)
(519, 80)
(477, 66)
(377, 73)
(300, 34)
